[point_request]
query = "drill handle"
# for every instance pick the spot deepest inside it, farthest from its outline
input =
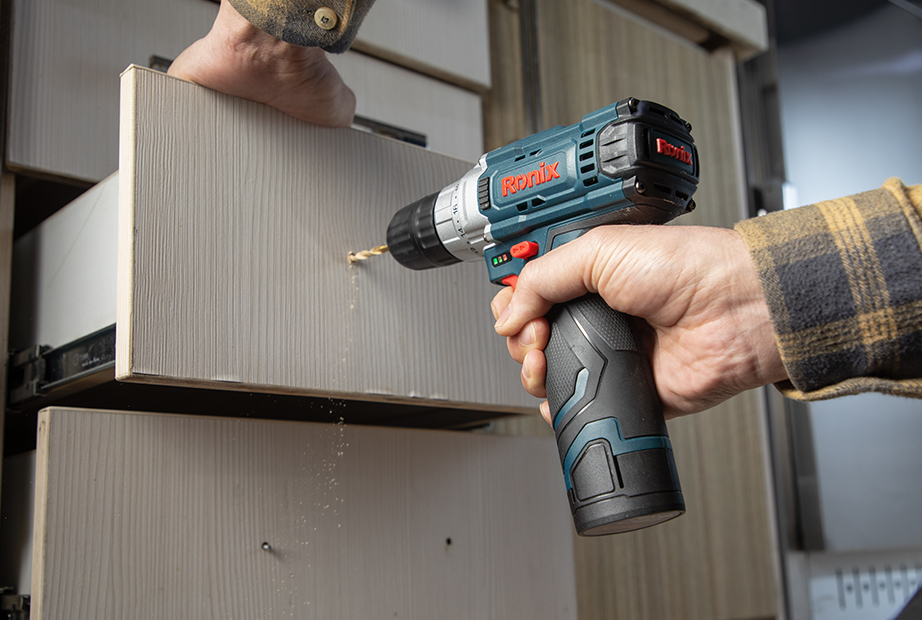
(614, 447)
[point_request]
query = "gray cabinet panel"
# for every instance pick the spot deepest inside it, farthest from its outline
(149, 516)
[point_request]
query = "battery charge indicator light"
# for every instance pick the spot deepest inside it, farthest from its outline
(502, 258)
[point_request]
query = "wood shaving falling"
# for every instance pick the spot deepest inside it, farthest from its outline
(355, 257)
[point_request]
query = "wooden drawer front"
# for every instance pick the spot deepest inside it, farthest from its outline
(235, 222)
(154, 516)
(447, 39)
(66, 58)
(449, 116)
(72, 257)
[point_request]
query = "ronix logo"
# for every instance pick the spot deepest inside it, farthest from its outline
(518, 182)
(673, 151)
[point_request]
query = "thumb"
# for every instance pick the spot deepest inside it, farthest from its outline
(563, 274)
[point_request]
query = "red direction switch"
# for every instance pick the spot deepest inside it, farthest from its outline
(526, 249)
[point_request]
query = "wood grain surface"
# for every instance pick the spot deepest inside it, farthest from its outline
(67, 57)
(743, 22)
(716, 561)
(593, 55)
(741, 25)
(719, 560)
(449, 116)
(149, 516)
(65, 65)
(503, 118)
(235, 222)
(448, 40)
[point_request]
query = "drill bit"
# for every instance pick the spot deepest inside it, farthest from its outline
(355, 257)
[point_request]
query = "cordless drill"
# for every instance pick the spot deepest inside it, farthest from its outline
(633, 162)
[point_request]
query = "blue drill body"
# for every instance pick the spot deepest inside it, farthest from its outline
(633, 162)
(542, 187)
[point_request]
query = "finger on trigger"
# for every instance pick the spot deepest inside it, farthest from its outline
(522, 306)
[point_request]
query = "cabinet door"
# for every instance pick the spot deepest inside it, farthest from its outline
(235, 222)
(151, 516)
(449, 116)
(66, 57)
(718, 560)
(449, 40)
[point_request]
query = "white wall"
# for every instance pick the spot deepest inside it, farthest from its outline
(851, 106)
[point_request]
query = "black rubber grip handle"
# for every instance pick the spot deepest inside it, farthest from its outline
(614, 447)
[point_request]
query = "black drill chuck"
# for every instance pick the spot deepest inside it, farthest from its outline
(413, 240)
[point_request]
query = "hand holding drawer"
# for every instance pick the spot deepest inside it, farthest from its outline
(239, 59)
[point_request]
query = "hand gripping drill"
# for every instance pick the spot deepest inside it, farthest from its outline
(633, 162)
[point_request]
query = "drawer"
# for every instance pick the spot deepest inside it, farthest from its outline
(142, 515)
(64, 272)
(448, 116)
(229, 271)
(67, 56)
(446, 39)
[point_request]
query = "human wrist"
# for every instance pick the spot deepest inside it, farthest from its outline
(766, 364)
(736, 321)
(234, 32)
(232, 28)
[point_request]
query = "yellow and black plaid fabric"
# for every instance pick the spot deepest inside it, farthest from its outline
(293, 20)
(843, 281)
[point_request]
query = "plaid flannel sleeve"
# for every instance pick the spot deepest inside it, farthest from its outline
(293, 21)
(843, 281)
